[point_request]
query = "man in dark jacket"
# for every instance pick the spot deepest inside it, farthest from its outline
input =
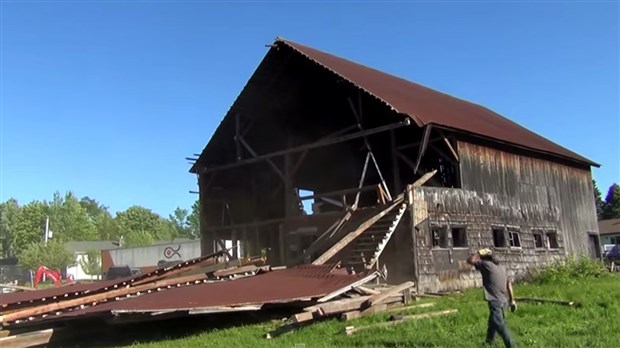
(497, 292)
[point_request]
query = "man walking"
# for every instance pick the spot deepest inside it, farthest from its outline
(497, 292)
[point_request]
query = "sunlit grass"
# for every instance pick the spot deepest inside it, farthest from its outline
(595, 324)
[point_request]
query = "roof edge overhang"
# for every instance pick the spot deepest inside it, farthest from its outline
(518, 146)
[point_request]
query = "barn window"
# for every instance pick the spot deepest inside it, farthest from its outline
(538, 240)
(514, 239)
(459, 237)
(552, 240)
(440, 237)
(499, 238)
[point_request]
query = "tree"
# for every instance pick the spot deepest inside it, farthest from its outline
(91, 263)
(93, 208)
(193, 221)
(9, 212)
(52, 255)
(598, 201)
(611, 209)
(69, 220)
(139, 226)
(29, 226)
(179, 222)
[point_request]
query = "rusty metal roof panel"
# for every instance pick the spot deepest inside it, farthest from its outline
(278, 286)
(26, 296)
(427, 106)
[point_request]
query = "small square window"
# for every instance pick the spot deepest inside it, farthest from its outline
(538, 240)
(514, 239)
(552, 240)
(499, 238)
(459, 238)
(440, 237)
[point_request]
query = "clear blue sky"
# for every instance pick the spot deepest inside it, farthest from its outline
(107, 98)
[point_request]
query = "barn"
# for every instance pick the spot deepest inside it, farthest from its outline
(322, 160)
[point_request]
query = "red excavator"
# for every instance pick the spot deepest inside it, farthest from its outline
(54, 276)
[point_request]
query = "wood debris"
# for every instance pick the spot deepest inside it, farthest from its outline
(398, 319)
(351, 302)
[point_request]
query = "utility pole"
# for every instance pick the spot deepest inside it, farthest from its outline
(47, 228)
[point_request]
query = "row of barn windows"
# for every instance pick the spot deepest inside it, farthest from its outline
(502, 238)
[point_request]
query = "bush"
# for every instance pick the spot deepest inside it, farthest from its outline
(569, 271)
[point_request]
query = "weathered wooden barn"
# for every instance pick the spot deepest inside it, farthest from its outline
(400, 177)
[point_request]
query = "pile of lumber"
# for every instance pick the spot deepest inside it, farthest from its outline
(350, 303)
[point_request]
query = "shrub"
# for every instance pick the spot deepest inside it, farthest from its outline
(569, 271)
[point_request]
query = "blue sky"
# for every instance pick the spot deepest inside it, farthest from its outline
(107, 98)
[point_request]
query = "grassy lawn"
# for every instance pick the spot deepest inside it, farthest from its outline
(596, 324)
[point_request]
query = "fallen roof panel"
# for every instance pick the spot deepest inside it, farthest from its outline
(278, 286)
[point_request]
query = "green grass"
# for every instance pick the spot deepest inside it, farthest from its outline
(596, 324)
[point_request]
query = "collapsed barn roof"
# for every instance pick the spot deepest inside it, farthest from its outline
(423, 105)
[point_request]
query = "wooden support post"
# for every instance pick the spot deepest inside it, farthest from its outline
(414, 236)
(422, 149)
(235, 245)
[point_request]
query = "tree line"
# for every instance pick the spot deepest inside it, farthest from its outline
(610, 207)
(69, 218)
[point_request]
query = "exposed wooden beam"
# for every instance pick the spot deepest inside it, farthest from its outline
(417, 143)
(442, 154)
(255, 155)
(323, 143)
(422, 149)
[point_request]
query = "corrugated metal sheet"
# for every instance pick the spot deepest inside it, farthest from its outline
(51, 293)
(306, 281)
(427, 106)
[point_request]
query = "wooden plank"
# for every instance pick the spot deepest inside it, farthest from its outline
(366, 291)
(348, 287)
(302, 317)
(30, 339)
(406, 308)
(542, 300)
(422, 149)
(349, 330)
(354, 234)
(390, 304)
(376, 299)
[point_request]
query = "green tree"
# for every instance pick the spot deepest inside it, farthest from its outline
(29, 226)
(107, 228)
(52, 255)
(598, 201)
(139, 226)
(69, 220)
(179, 222)
(193, 221)
(91, 263)
(9, 213)
(611, 209)
(93, 208)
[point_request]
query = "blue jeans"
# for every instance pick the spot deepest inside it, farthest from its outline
(497, 324)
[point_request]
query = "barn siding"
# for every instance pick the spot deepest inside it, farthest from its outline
(558, 191)
(444, 269)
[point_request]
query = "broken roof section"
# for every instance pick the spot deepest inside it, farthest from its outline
(427, 106)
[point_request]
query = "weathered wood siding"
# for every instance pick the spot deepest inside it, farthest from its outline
(478, 213)
(542, 191)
